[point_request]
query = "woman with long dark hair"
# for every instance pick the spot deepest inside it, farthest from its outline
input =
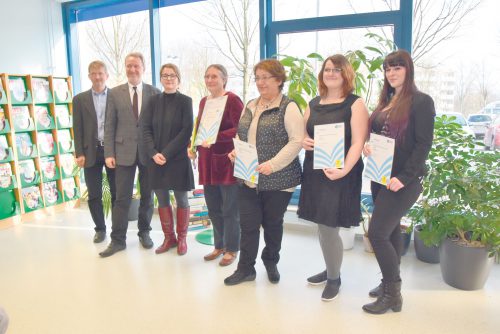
(406, 115)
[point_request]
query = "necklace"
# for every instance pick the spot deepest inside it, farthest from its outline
(269, 103)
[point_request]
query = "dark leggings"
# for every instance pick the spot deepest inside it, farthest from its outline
(385, 232)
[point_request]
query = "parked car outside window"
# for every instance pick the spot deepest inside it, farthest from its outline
(459, 119)
(492, 135)
(479, 124)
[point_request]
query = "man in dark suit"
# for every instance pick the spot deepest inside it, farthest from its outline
(89, 113)
(122, 154)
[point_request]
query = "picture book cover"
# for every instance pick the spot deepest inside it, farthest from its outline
(4, 147)
(27, 170)
(69, 187)
(21, 117)
(61, 89)
(45, 142)
(48, 167)
(24, 144)
(67, 163)
(31, 196)
(50, 192)
(5, 175)
(42, 115)
(18, 88)
(41, 90)
(62, 114)
(64, 138)
(2, 119)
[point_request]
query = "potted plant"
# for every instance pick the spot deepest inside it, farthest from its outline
(460, 206)
(133, 210)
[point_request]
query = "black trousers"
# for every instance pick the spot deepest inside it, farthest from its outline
(385, 231)
(266, 209)
(93, 179)
(124, 181)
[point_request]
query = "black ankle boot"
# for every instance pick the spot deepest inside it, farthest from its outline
(390, 299)
(377, 292)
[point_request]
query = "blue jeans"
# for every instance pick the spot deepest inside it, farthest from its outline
(222, 203)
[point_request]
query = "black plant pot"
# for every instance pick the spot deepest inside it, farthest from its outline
(406, 236)
(462, 267)
(425, 253)
(133, 210)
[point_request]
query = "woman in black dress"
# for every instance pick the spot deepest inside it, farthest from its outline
(331, 197)
(166, 128)
(406, 115)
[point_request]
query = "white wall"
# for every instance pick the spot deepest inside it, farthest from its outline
(32, 39)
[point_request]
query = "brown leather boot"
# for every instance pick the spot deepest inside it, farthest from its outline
(167, 225)
(182, 227)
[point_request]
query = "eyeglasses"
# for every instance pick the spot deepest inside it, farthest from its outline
(256, 79)
(168, 76)
(333, 70)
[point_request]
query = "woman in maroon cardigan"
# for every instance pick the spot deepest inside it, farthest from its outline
(216, 170)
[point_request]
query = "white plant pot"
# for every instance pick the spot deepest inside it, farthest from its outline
(347, 235)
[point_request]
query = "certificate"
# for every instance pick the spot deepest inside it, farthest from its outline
(379, 163)
(246, 161)
(329, 146)
(210, 120)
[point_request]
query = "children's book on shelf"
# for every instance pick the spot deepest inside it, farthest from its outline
(64, 137)
(31, 196)
(45, 142)
(2, 119)
(62, 114)
(41, 90)
(69, 187)
(42, 116)
(21, 117)
(4, 147)
(61, 89)
(50, 192)
(5, 175)
(27, 170)
(24, 145)
(48, 167)
(67, 163)
(18, 88)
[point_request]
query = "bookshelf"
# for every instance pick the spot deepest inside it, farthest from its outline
(36, 144)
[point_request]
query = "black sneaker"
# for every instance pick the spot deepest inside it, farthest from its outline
(272, 273)
(331, 290)
(317, 279)
(146, 240)
(239, 277)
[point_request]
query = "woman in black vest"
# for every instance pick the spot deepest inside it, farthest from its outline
(406, 115)
(278, 122)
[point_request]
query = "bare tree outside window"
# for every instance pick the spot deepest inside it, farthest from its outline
(113, 38)
(233, 28)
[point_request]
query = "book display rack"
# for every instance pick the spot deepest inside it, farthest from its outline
(37, 167)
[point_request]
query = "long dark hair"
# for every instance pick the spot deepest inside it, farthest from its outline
(400, 111)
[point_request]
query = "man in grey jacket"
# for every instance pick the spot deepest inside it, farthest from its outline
(122, 153)
(89, 111)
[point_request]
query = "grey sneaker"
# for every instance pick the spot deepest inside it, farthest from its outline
(331, 290)
(317, 279)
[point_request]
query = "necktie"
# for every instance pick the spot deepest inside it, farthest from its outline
(135, 104)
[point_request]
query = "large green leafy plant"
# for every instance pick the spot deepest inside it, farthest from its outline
(461, 197)
(302, 80)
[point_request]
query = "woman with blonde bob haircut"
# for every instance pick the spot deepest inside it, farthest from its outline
(330, 197)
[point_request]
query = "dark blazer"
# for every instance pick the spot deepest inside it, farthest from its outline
(121, 131)
(166, 126)
(85, 126)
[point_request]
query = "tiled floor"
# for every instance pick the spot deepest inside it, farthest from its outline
(52, 281)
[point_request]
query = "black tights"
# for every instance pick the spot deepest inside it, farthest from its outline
(385, 232)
